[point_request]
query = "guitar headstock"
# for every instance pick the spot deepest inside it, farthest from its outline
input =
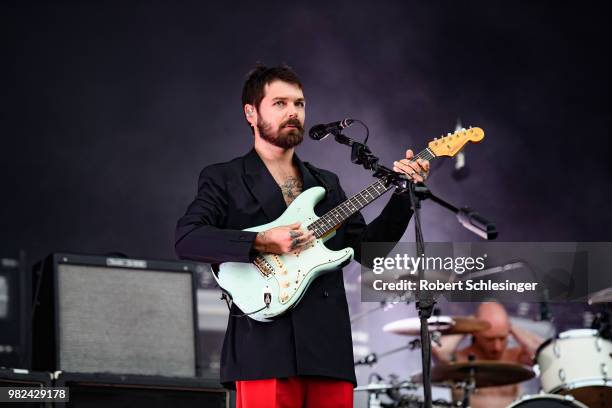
(451, 144)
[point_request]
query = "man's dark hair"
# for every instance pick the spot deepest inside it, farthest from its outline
(258, 78)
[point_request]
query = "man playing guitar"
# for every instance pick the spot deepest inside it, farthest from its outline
(303, 357)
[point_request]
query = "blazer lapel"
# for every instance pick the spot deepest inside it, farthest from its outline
(263, 186)
(308, 179)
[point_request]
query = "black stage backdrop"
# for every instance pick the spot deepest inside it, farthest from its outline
(110, 109)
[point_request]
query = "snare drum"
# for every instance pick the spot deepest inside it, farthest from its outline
(546, 401)
(579, 363)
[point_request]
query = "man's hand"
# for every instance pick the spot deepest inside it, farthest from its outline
(283, 239)
(415, 170)
(529, 343)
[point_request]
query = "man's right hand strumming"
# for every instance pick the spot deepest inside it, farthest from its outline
(283, 239)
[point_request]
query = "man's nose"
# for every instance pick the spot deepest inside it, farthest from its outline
(293, 113)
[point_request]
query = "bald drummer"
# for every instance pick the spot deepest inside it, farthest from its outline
(491, 344)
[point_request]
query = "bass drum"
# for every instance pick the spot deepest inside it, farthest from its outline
(578, 363)
(547, 401)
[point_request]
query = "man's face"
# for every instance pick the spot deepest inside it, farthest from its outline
(492, 342)
(281, 114)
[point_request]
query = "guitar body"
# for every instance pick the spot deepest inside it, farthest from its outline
(281, 279)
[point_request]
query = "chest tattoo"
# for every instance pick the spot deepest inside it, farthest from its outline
(291, 188)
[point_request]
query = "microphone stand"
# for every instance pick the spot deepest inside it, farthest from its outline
(425, 302)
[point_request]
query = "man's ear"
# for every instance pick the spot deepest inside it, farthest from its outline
(251, 114)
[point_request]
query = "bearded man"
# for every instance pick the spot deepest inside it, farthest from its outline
(303, 358)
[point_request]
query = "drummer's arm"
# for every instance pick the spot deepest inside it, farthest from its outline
(529, 343)
(449, 343)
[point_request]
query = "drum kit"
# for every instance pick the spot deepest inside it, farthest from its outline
(575, 369)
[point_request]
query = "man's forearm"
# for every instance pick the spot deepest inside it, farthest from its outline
(392, 222)
(527, 340)
(214, 245)
(449, 344)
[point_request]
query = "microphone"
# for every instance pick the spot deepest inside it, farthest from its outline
(319, 132)
(476, 223)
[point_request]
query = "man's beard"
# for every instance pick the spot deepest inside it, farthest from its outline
(283, 138)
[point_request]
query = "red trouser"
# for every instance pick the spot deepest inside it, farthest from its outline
(294, 392)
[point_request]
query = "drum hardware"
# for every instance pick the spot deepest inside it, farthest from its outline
(369, 360)
(373, 358)
(383, 387)
(392, 390)
(598, 344)
(399, 400)
(470, 385)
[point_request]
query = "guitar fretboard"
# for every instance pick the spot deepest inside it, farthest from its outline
(336, 216)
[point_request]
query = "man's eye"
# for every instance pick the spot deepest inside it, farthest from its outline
(300, 104)
(280, 103)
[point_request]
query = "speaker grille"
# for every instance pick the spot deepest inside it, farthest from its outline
(125, 321)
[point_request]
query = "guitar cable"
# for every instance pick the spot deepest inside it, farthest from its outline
(229, 307)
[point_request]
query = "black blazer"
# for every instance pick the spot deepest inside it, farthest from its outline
(314, 338)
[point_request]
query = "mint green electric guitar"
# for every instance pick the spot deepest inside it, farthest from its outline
(273, 284)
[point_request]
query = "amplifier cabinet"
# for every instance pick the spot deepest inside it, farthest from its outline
(95, 314)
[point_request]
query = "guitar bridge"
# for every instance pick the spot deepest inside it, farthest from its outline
(263, 266)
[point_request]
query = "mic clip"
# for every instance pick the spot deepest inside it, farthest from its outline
(360, 153)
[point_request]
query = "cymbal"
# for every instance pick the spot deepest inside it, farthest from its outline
(486, 373)
(443, 324)
(602, 296)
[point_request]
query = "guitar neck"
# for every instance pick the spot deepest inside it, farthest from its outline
(336, 216)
